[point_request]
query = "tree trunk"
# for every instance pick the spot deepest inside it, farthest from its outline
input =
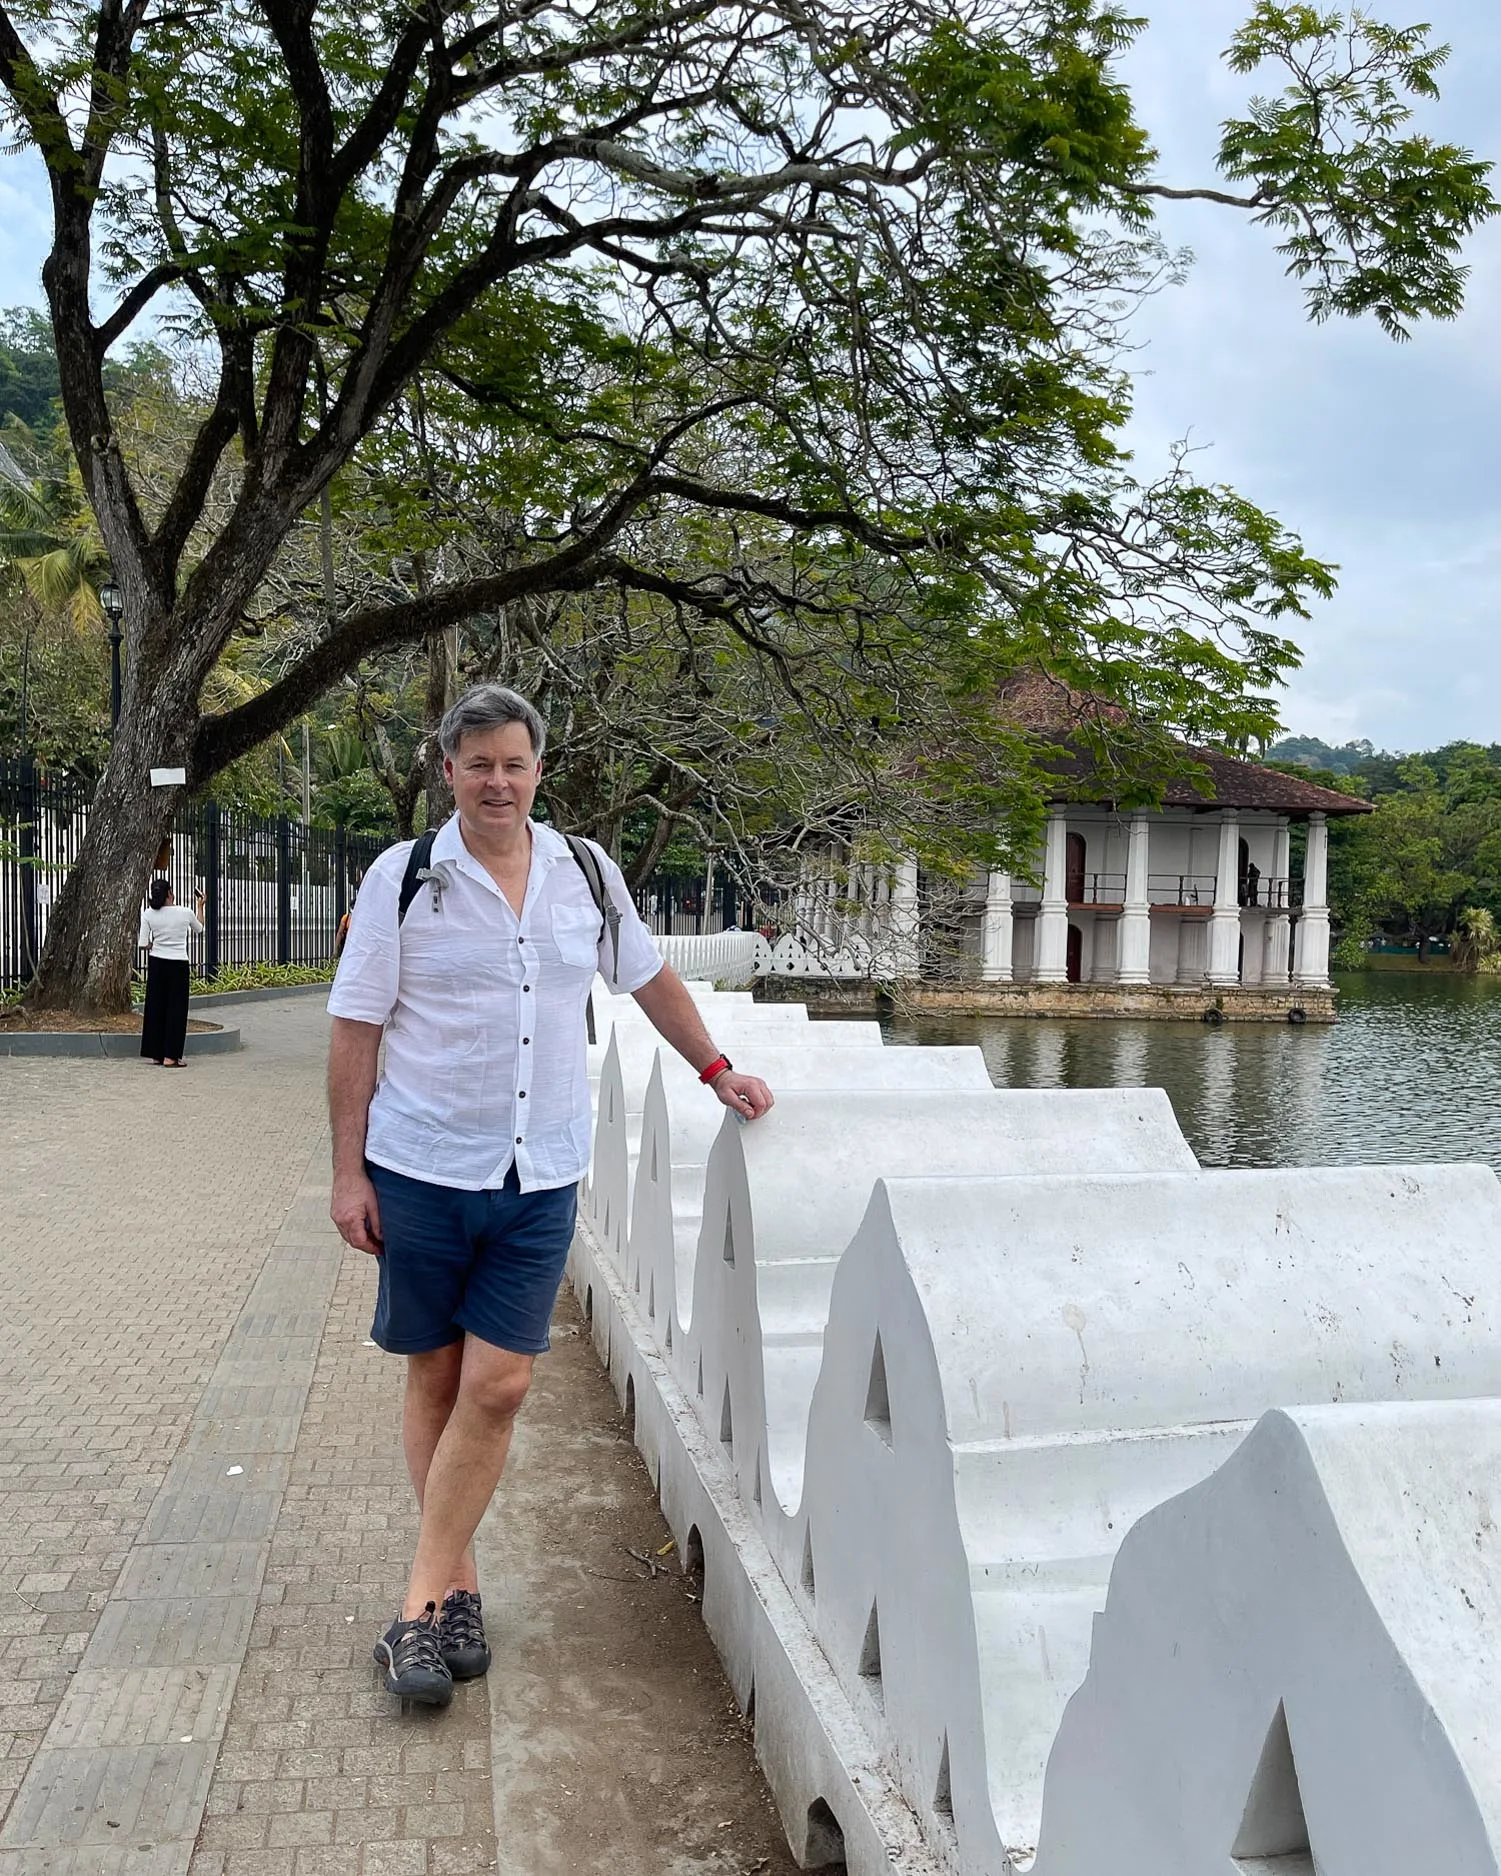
(85, 964)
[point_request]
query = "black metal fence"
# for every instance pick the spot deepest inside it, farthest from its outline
(274, 890)
(680, 905)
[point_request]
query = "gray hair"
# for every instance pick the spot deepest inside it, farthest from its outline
(487, 707)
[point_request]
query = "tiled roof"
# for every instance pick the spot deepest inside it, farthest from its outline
(1052, 710)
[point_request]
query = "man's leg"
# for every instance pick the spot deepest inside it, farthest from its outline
(464, 1464)
(431, 1391)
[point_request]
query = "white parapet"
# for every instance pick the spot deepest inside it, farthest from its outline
(911, 1357)
(1297, 1670)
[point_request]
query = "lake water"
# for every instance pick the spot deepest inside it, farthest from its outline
(1411, 1071)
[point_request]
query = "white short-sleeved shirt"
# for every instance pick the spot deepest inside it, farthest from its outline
(167, 931)
(486, 1050)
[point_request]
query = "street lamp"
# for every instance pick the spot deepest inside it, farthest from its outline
(113, 602)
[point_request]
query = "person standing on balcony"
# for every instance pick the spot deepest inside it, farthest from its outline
(165, 930)
(458, 1168)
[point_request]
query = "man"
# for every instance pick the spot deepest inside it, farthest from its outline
(458, 1169)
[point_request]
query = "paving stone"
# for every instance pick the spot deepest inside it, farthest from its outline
(142, 1706)
(170, 1859)
(182, 1571)
(168, 1631)
(123, 1795)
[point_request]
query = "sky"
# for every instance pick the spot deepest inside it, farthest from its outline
(1382, 457)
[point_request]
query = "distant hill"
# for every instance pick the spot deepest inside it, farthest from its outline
(1307, 752)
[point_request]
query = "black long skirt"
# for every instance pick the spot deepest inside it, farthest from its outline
(164, 1027)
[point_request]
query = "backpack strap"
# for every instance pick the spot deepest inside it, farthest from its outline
(418, 862)
(587, 860)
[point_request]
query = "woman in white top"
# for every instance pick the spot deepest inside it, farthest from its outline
(165, 930)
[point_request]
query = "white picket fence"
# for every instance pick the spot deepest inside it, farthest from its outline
(738, 957)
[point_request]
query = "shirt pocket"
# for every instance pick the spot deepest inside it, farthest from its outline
(575, 932)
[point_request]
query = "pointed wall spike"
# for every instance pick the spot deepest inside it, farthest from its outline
(877, 1400)
(870, 1656)
(807, 1572)
(1273, 1831)
(943, 1789)
(726, 1420)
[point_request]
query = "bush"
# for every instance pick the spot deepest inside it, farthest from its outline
(261, 977)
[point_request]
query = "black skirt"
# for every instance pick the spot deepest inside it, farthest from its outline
(164, 1027)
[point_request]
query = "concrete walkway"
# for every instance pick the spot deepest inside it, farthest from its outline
(204, 1522)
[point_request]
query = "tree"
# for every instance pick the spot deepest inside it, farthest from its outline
(851, 278)
(1477, 943)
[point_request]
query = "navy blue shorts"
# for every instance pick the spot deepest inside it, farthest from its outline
(476, 1263)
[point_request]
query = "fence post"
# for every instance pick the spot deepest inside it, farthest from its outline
(27, 831)
(211, 877)
(283, 890)
(341, 876)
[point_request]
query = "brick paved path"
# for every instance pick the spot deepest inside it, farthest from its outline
(171, 1289)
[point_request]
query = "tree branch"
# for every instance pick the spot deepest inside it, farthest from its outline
(135, 303)
(1259, 200)
(223, 739)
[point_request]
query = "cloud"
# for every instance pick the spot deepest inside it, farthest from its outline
(1382, 456)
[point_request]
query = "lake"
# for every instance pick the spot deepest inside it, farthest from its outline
(1411, 1071)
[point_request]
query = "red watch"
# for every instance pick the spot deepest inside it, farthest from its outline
(715, 1069)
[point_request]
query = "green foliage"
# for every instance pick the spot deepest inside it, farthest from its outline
(29, 381)
(1429, 855)
(1375, 214)
(1477, 941)
(260, 977)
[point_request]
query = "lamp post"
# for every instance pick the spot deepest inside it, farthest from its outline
(113, 602)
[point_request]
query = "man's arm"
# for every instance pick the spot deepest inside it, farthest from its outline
(353, 1052)
(674, 1015)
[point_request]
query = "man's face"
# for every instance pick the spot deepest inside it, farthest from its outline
(494, 778)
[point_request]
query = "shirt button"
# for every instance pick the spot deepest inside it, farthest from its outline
(518, 1139)
(526, 986)
(522, 1095)
(525, 1040)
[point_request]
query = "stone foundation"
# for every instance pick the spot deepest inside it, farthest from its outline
(1172, 1003)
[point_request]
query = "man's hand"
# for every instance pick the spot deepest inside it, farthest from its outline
(356, 1211)
(745, 1095)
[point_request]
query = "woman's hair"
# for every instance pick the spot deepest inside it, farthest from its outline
(158, 893)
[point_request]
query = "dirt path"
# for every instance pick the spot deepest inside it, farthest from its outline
(617, 1745)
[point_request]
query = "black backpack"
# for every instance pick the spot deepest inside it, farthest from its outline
(419, 862)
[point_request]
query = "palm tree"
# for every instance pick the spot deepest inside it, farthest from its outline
(1477, 944)
(60, 558)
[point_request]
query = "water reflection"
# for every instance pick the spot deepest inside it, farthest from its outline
(1412, 1071)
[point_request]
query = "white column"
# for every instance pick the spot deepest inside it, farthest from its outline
(1278, 937)
(996, 931)
(880, 921)
(1224, 921)
(1052, 920)
(906, 955)
(1134, 942)
(1311, 959)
